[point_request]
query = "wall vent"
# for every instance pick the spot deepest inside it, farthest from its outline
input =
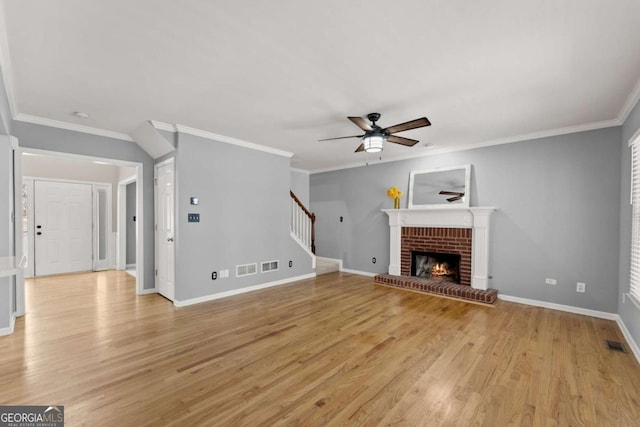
(270, 266)
(246, 269)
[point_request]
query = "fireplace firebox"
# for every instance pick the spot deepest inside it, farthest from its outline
(436, 266)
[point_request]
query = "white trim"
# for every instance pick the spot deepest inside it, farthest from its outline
(300, 170)
(163, 126)
(360, 273)
(139, 199)
(629, 104)
(232, 292)
(9, 329)
(627, 336)
(165, 162)
(432, 151)
(634, 138)
(560, 307)
(27, 118)
(233, 141)
(148, 291)
(129, 266)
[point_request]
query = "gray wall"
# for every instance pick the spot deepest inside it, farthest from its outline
(558, 217)
(300, 186)
(244, 217)
(67, 141)
(131, 224)
(629, 314)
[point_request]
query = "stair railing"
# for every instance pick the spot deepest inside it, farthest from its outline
(303, 223)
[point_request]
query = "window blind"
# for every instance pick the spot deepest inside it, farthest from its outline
(634, 287)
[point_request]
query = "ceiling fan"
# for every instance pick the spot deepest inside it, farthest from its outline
(374, 136)
(456, 195)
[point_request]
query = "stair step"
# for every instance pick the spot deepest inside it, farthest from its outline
(326, 266)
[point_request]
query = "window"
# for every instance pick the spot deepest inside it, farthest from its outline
(634, 280)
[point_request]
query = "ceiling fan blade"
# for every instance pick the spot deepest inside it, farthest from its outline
(360, 148)
(453, 199)
(413, 124)
(451, 193)
(401, 140)
(342, 137)
(361, 123)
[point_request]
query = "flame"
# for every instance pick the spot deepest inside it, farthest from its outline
(441, 269)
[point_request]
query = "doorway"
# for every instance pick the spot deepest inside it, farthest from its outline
(165, 228)
(103, 238)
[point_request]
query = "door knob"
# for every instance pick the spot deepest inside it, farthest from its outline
(169, 239)
(38, 233)
(38, 226)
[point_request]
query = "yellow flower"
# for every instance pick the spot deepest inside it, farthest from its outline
(394, 192)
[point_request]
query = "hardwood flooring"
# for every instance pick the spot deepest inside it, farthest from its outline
(335, 350)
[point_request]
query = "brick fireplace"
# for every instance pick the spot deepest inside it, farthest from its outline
(462, 231)
(437, 240)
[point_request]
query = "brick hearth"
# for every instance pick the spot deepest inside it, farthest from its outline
(431, 286)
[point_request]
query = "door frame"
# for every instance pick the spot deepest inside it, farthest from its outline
(20, 292)
(121, 246)
(169, 161)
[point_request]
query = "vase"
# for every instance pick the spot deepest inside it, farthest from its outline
(396, 203)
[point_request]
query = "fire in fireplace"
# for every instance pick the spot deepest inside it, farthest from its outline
(436, 266)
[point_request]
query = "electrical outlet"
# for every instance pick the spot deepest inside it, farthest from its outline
(374, 260)
(214, 275)
(581, 287)
(551, 281)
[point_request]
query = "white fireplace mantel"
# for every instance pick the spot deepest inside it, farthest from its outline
(476, 218)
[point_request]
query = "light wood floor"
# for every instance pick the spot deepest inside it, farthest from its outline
(336, 350)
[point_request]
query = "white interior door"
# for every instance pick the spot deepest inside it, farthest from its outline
(165, 217)
(63, 222)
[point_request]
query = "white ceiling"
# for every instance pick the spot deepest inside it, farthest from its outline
(284, 74)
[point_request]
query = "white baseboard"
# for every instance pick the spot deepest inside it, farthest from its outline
(560, 307)
(128, 266)
(9, 329)
(361, 273)
(232, 292)
(627, 336)
(148, 291)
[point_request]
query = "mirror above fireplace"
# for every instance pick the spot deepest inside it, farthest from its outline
(440, 187)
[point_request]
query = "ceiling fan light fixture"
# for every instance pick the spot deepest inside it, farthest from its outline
(373, 143)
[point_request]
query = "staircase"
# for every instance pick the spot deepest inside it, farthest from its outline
(303, 231)
(303, 225)
(324, 266)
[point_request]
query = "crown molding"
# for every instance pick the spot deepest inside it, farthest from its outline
(631, 102)
(71, 126)
(163, 126)
(432, 151)
(300, 170)
(233, 141)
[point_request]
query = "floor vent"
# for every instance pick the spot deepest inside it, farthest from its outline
(615, 346)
